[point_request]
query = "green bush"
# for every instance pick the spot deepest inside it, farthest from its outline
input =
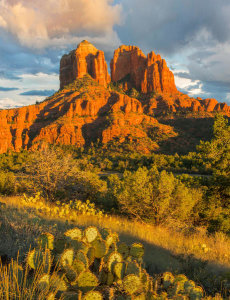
(7, 183)
(153, 196)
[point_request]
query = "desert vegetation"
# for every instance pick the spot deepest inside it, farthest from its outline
(89, 264)
(176, 207)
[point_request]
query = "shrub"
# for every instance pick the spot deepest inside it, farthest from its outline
(7, 183)
(153, 196)
(57, 175)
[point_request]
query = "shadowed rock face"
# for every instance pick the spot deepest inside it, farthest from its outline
(86, 59)
(146, 74)
(89, 110)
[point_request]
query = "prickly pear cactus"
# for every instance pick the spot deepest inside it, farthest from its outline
(74, 234)
(132, 284)
(86, 281)
(93, 295)
(91, 233)
(137, 250)
(35, 259)
(93, 265)
(67, 257)
(46, 240)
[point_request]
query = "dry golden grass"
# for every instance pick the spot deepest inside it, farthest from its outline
(203, 258)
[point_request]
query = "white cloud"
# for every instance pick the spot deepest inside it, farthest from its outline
(39, 24)
(39, 81)
(9, 103)
(191, 87)
(2, 22)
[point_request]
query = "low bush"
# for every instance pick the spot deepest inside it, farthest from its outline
(7, 183)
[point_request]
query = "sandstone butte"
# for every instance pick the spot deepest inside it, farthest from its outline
(88, 108)
(146, 74)
(86, 59)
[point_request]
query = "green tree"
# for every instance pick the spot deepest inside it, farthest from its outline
(217, 151)
(153, 196)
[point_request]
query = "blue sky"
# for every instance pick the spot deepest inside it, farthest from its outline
(192, 35)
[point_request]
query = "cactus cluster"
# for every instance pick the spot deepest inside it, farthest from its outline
(93, 264)
(70, 210)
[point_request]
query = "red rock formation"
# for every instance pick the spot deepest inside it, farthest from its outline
(146, 74)
(84, 115)
(86, 59)
(166, 103)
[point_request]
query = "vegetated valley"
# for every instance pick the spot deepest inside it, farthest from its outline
(115, 187)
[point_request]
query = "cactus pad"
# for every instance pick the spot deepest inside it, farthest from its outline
(60, 244)
(57, 283)
(141, 296)
(103, 275)
(78, 266)
(82, 257)
(91, 255)
(105, 232)
(87, 281)
(44, 282)
(70, 296)
(110, 279)
(132, 284)
(145, 279)
(114, 258)
(181, 277)
(196, 293)
(46, 261)
(74, 234)
(119, 270)
(100, 248)
(132, 268)
(123, 249)
(176, 288)
(91, 233)
(70, 273)
(188, 285)
(111, 239)
(35, 259)
(93, 295)
(77, 245)
(137, 250)
(168, 279)
(46, 241)
(67, 257)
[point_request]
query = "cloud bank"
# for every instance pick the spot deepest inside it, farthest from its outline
(192, 35)
(39, 24)
(38, 93)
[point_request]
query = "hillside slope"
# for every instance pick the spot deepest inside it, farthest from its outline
(89, 108)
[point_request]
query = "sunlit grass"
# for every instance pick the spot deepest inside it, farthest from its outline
(16, 282)
(200, 256)
(215, 248)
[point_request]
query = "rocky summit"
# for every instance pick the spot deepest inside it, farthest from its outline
(147, 74)
(136, 104)
(86, 59)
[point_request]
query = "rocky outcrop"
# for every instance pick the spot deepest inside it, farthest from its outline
(86, 59)
(181, 103)
(147, 74)
(75, 118)
(89, 111)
